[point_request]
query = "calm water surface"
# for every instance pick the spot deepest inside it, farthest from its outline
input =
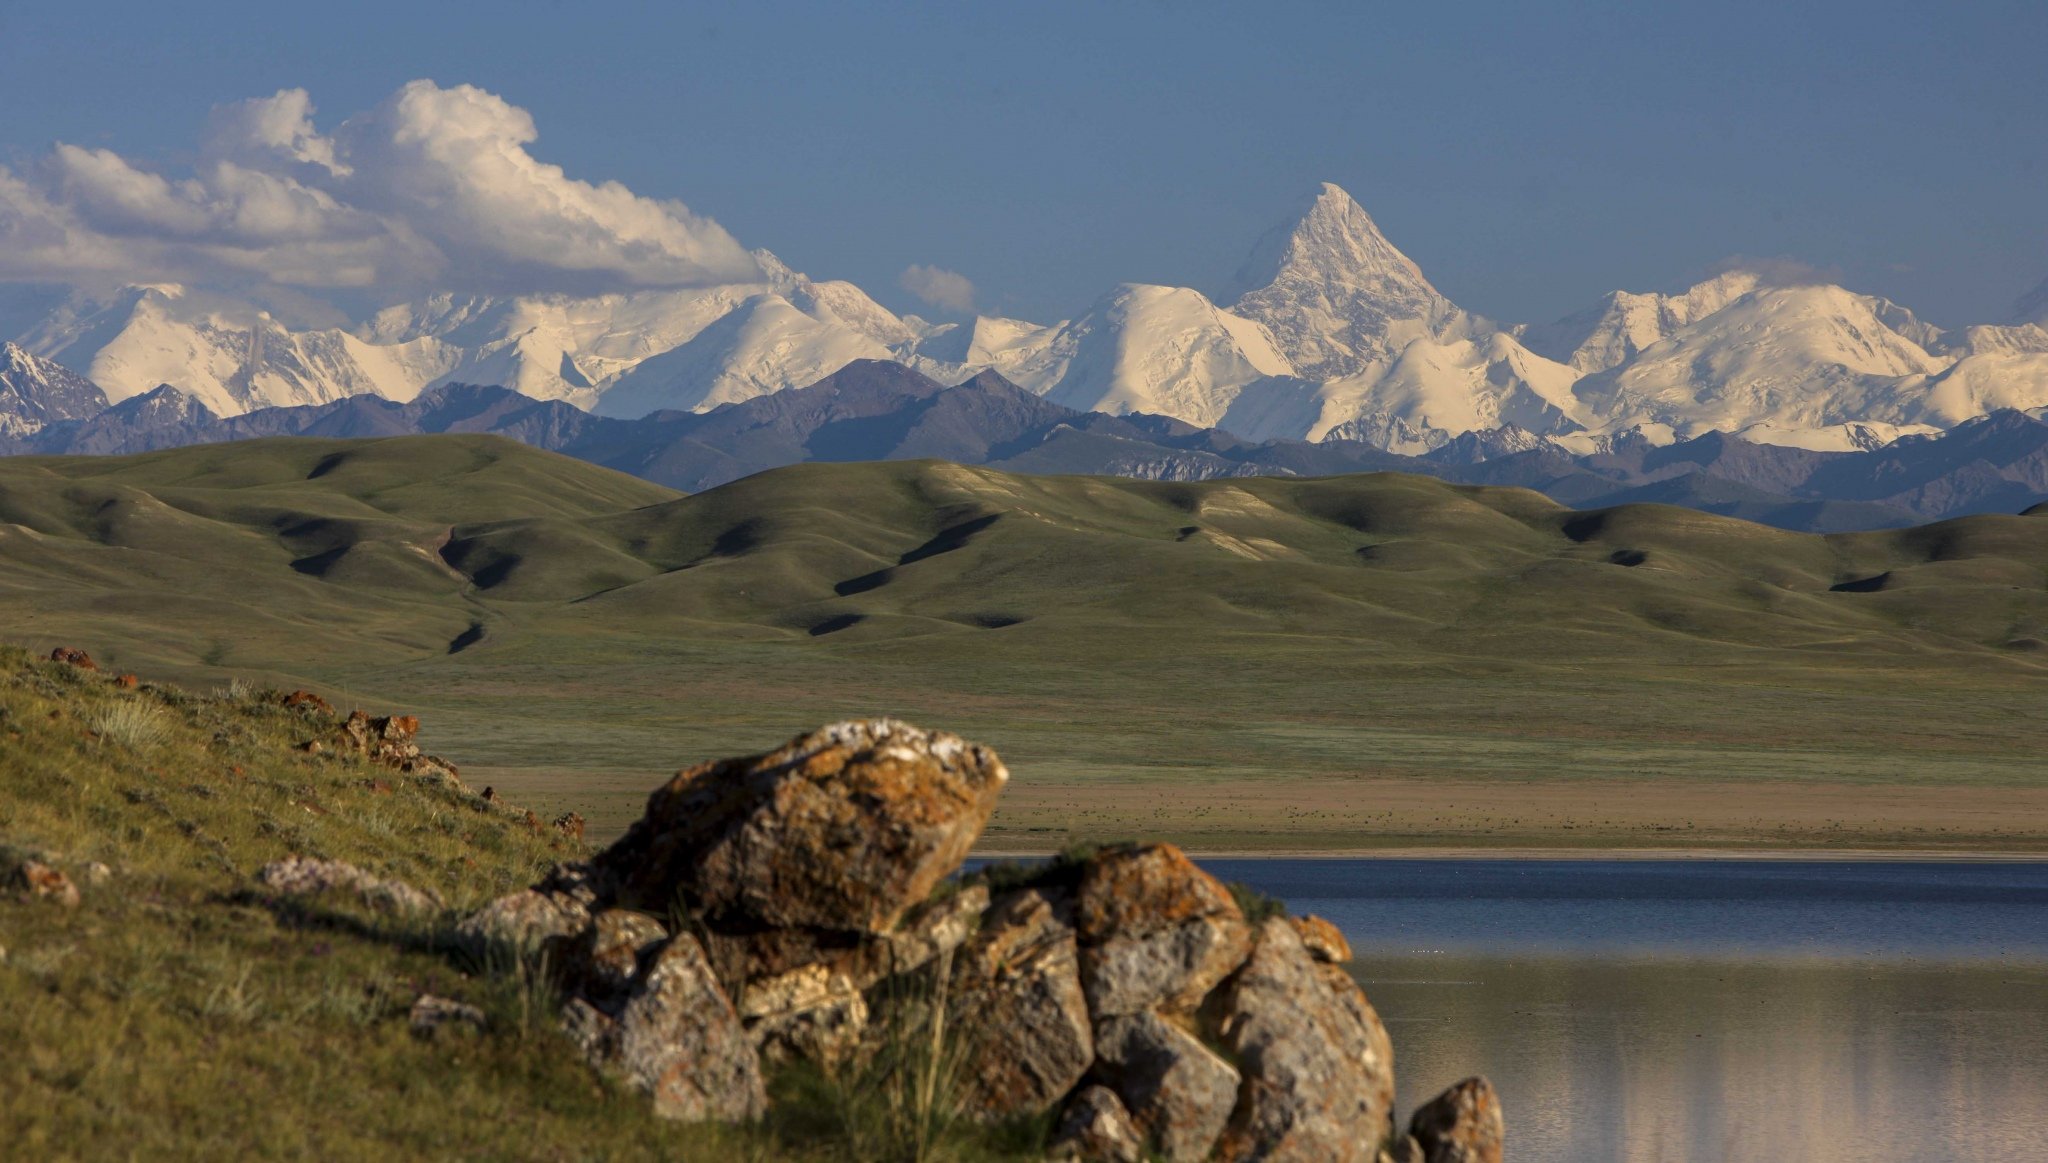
(1709, 1011)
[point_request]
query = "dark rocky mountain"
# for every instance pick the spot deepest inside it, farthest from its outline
(877, 410)
(35, 393)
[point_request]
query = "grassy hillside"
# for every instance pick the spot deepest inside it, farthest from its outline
(1332, 645)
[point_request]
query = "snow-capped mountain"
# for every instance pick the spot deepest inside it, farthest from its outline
(1622, 324)
(35, 393)
(1331, 333)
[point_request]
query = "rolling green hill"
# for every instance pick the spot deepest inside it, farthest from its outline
(566, 626)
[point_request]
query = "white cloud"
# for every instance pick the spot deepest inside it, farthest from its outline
(433, 189)
(944, 289)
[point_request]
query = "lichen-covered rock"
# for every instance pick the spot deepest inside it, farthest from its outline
(560, 907)
(845, 828)
(307, 876)
(1096, 1129)
(390, 741)
(815, 1013)
(676, 1037)
(1155, 930)
(1323, 940)
(1179, 1092)
(38, 881)
(1018, 985)
(1461, 1125)
(1318, 1077)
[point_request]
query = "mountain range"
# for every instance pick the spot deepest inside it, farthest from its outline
(1329, 332)
(872, 410)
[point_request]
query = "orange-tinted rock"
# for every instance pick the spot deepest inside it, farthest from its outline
(1461, 1125)
(1029, 1039)
(127, 682)
(377, 787)
(569, 824)
(306, 701)
(1318, 1076)
(1155, 930)
(75, 657)
(845, 828)
(1323, 940)
(38, 881)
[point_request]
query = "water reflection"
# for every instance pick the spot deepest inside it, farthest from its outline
(1709, 1011)
(1659, 1061)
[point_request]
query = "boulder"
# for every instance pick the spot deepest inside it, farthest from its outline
(1017, 985)
(35, 880)
(801, 991)
(559, 907)
(391, 742)
(1323, 940)
(570, 825)
(306, 701)
(1155, 930)
(1318, 1075)
(602, 961)
(674, 1036)
(1461, 1125)
(845, 828)
(1096, 1129)
(307, 876)
(1179, 1092)
(74, 657)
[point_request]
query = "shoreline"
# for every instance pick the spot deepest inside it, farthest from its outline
(1560, 855)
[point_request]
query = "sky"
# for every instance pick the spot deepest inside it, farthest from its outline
(1023, 159)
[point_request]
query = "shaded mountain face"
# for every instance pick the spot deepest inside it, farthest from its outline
(35, 393)
(874, 410)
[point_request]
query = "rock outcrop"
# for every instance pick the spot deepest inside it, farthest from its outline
(1318, 1068)
(1155, 930)
(1461, 1125)
(772, 907)
(1031, 1038)
(73, 656)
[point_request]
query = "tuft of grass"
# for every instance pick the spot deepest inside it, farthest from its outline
(1257, 906)
(131, 723)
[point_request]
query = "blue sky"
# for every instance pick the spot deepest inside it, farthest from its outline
(1530, 157)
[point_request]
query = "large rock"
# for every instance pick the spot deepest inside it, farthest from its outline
(1179, 1092)
(1318, 1069)
(308, 876)
(1018, 986)
(1155, 930)
(558, 908)
(1461, 1125)
(1096, 1129)
(845, 828)
(674, 1036)
(817, 1009)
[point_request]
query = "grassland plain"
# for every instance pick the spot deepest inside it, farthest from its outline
(1354, 662)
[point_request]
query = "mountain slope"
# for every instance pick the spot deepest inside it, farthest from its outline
(35, 393)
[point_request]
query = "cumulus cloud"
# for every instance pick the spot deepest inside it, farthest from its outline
(1779, 271)
(434, 188)
(944, 289)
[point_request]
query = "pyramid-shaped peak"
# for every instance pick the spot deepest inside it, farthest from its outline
(1332, 242)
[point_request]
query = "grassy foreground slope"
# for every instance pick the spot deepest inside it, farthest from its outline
(1351, 661)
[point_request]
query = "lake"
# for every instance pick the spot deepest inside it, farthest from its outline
(1708, 1011)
